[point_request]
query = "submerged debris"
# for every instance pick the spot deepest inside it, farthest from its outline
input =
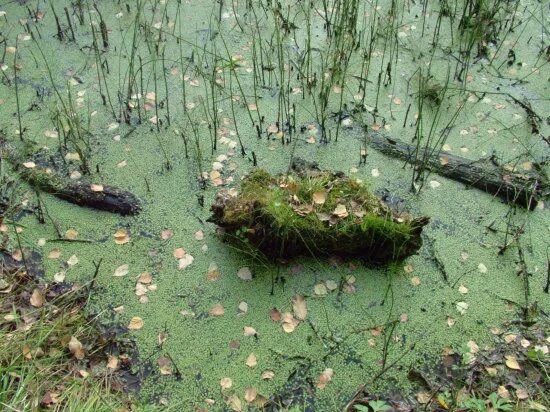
(317, 213)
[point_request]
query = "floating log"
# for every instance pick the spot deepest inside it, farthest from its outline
(82, 193)
(524, 188)
(96, 196)
(314, 213)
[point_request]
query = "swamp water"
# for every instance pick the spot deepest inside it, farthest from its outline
(172, 100)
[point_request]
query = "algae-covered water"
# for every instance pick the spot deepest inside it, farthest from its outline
(171, 72)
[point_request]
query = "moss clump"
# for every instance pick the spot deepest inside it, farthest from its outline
(319, 213)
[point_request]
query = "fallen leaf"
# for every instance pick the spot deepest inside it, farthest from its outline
(166, 234)
(37, 298)
(275, 315)
(217, 310)
(179, 253)
(251, 361)
(54, 254)
(267, 375)
(235, 403)
(112, 362)
(59, 277)
(75, 347)
(165, 365)
(250, 394)
(145, 278)
(249, 331)
(512, 362)
(415, 280)
(213, 273)
(462, 307)
(463, 289)
(320, 289)
(243, 307)
(73, 260)
(121, 237)
(300, 307)
(96, 187)
(226, 383)
(482, 268)
(71, 234)
(423, 397)
(244, 273)
(120, 271)
(340, 211)
(136, 323)
(331, 285)
(320, 197)
(325, 378)
(185, 261)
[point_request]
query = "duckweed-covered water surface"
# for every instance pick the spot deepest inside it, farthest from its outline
(175, 100)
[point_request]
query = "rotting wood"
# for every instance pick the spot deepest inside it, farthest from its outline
(525, 189)
(82, 193)
(281, 217)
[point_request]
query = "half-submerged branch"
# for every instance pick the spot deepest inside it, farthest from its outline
(525, 189)
(102, 197)
(314, 213)
(96, 196)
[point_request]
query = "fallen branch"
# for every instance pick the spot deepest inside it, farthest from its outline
(524, 189)
(102, 197)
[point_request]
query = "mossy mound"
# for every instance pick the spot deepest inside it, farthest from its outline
(315, 213)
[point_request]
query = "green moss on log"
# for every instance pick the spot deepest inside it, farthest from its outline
(315, 214)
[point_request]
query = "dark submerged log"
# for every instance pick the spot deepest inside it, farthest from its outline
(525, 189)
(102, 197)
(82, 193)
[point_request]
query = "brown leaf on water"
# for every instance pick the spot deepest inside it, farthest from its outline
(179, 253)
(165, 365)
(120, 271)
(166, 234)
(71, 234)
(249, 331)
(268, 375)
(235, 403)
(244, 273)
(213, 273)
(325, 378)
(226, 383)
(136, 323)
(251, 361)
(275, 315)
(299, 306)
(250, 394)
(217, 310)
(121, 236)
